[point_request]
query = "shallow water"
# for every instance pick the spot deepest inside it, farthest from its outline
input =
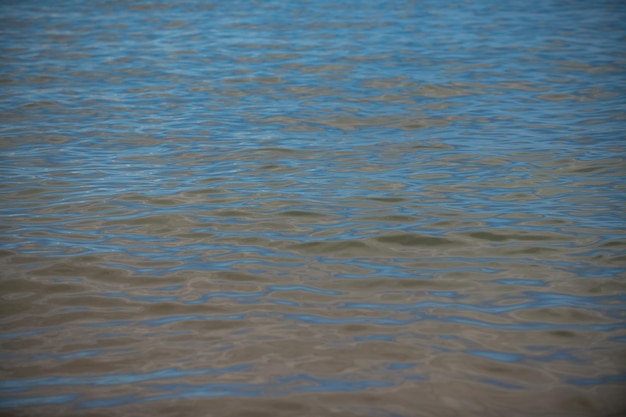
(316, 208)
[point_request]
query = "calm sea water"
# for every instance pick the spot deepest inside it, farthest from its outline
(313, 208)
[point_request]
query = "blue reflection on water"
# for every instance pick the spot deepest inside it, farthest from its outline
(25, 384)
(296, 383)
(34, 401)
(498, 356)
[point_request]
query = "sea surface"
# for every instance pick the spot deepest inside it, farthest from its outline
(313, 208)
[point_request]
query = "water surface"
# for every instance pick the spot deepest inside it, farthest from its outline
(350, 208)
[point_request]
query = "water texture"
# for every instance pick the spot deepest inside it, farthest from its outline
(313, 208)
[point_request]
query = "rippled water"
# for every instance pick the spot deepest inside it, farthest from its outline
(315, 208)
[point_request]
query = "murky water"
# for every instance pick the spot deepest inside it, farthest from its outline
(315, 208)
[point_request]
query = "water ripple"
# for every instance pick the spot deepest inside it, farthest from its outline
(308, 208)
